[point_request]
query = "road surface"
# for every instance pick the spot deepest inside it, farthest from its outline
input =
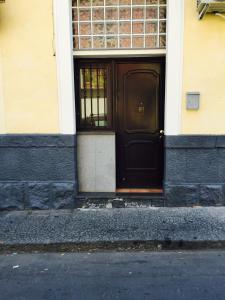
(113, 275)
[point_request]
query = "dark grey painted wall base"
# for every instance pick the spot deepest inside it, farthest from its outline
(37, 171)
(195, 170)
(195, 195)
(37, 195)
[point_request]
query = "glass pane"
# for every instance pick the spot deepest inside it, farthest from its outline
(162, 12)
(138, 27)
(125, 42)
(162, 41)
(152, 12)
(151, 2)
(98, 28)
(162, 27)
(85, 42)
(74, 2)
(136, 2)
(111, 13)
(125, 27)
(138, 41)
(111, 28)
(97, 2)
(125, 2)
(85, 14)
(138, 13)
(124, 13)
(151, 41)
(151, 27)
(111, 42)
(76, 42)
(84, 2)
(74, 14)
(85, 28)
(98, 42)
(111, 2)
(75, 29)
(98, 14)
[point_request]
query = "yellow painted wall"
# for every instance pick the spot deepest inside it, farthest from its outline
(204, 71)
(28, 83)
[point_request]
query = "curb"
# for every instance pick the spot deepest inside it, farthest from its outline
(114, 246)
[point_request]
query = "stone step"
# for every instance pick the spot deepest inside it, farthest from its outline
(119, 201)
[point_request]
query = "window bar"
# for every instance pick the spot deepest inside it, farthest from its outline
(158, 26)
(92, 39)
(91, 95)
(78, 24)
(98, 94)
(105, 42)
(145, 25)
(118, 26)
(105, 112)
(85, 95)
(131, 21)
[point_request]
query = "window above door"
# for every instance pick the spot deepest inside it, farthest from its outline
(119, 24)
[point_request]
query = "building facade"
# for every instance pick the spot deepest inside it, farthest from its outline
(111, 96)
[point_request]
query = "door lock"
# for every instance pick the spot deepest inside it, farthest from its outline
(161, 134)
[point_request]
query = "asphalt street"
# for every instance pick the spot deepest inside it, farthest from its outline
(113, 275)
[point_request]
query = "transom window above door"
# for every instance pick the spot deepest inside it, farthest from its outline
(119, 24)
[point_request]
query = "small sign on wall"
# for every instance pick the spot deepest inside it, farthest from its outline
(192, 100)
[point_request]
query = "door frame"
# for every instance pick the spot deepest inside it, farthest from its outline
(113, 62)
(64, 53)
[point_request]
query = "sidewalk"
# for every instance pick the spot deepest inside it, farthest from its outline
(82, 229)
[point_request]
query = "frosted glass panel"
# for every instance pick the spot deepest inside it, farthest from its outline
(119, 24)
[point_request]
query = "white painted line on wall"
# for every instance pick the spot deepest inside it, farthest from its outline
(64, 60)
(2, 112)
(174, 67)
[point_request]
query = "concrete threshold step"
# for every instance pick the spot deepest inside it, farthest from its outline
(119, 201)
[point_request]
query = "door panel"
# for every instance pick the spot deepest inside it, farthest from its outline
(139, 121)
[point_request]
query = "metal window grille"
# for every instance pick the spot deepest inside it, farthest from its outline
(94, 108)
(119, 24)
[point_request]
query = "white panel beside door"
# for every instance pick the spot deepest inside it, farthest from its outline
(96, 162)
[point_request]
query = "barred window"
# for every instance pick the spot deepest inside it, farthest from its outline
(94, 105)
(119, 24)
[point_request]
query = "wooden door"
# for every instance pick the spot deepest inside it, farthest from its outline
(139, 124)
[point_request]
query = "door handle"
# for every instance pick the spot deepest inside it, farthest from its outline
(161, 134)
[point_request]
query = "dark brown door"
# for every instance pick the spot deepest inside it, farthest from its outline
(139, 124)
